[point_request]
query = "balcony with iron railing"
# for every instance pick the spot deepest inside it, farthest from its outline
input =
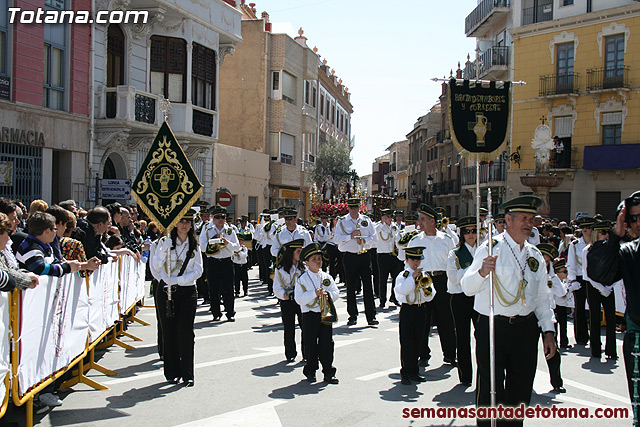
(540, 13)
(608, 78)
(138, 107)
(484, 15)
(559, 84)
(489, 173)
(493, 59)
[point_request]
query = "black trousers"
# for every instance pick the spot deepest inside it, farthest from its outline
(373, 267)
(241, 274)
(263, 266)
(554, 366)
(318, 345)
(561, 325)
(596, 299)
(412, 324)
(201, 283)
(356, 267)
(516, 348)
(156, 286)
(177, 331)
(441, 311)
(386, 267)
(463, 315)
(289, 310)
(629, 361)
(332, 254)
(220, 278)
(580, 314)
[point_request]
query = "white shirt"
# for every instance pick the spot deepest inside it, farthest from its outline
(167, 269)
(509, 274)
(226, 232)
(347, 225)
(535, 239)
(406, 290)
(574, 260)
(566, 299)
(452, 234)
(284, 282)
(306, 285)
(399, 236)
(284, 236)
(240, 256)
(386, 236)
(456, 272)
(322, 233)
(8, 253)
(436, 252)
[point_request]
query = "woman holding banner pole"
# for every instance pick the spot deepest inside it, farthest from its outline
(178, 262)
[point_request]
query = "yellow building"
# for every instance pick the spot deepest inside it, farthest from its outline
(583, 77)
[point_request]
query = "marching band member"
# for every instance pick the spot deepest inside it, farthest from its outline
(459, 261)
(205, 221)
(353, 232)
(289, 269)
(576, 281)
(260, 245)
(563, 301)
(521, 304)
(220, 242)
(322, 235)
(498, 224)
(241, 270)
(177, 261)
(290, 231)
(311, 287)
(436, 253)
(402, 239)
(399, 219)
(600, 295)
(386, 234)
(413, 290)
(549, 253)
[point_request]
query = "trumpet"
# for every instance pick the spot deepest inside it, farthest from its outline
(361, 239)
(424, 282)
(444, 223)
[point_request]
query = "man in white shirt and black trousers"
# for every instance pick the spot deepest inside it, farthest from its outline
(436, 255)
(290, 231)
(521, 307)
(353, 232)
(386, 234)
(322, 235)
(220, 242)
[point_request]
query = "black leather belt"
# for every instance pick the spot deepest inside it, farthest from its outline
(436, 273)
(514, 320)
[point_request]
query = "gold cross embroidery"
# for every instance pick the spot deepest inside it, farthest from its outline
(163, 178)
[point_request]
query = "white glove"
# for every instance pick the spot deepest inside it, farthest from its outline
(606, 291)
(164, 245)
(170, 280)
(574, 286)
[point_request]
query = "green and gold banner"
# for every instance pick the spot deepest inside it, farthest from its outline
(166, 186)
(479, 116)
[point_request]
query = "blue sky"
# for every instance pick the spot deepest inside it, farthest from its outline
(386, 53)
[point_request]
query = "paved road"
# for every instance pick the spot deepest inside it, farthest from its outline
(242, 380)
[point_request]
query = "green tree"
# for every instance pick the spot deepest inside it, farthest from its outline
(334, 160)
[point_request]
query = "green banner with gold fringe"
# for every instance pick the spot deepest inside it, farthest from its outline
(166, 185)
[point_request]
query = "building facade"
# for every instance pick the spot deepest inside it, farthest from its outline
(44, 105)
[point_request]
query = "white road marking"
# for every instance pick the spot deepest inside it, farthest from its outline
(264, 415)
(380, 374)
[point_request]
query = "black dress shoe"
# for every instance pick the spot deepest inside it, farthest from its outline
(189, 383)
(216, 318)
(567, 347)
(395, 301)
(175, 380)
(423, 361)
(373, 322)
(290, 359)
(451, 362)
(231, 319)
(417, 378)
(609, 357)
(331, 380)
(466, 383)
(381, 306)
(405, 381)
(560, 389)
(311, 378)
(351, 322)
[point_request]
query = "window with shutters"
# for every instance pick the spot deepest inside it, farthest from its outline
(253, 207)
(3, 37)
(614, 61)
(564, 67)
(288, 88)
(612, 128)
(310, 146)
(322, 105)
(274, 146)
(168, 68)
(203, 77)
(606, 203)
(55, 40)
(560, 205)
(286, 148)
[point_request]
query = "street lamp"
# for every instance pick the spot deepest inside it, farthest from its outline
(430, 185)
(413, 193)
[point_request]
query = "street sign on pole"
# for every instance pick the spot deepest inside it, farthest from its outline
(224, 199)
(115, 189)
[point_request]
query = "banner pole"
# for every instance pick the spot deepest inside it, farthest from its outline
(492, 331)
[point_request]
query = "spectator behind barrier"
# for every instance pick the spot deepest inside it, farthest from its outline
(11, 277)
(38, 206)
(35, 253)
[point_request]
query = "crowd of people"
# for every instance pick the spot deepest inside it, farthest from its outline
(439, 272)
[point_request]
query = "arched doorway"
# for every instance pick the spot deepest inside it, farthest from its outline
(114, 168)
